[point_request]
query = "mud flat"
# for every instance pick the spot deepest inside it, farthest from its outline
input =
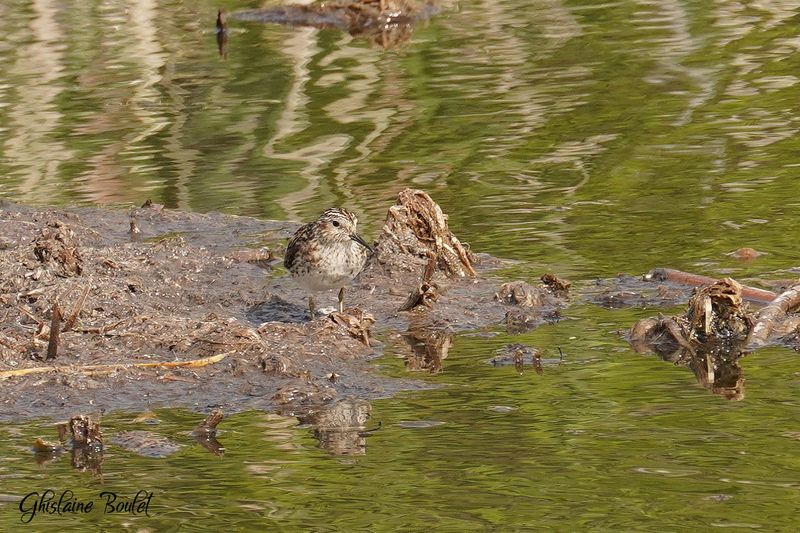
(109, 309)
(106, 309)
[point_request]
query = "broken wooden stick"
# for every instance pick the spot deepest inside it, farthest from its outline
(208, 427)
(76, 310)
(751, 294)
(101, 369)
(770, 315)
(55, 328)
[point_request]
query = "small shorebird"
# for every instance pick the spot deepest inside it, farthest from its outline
(326, 254)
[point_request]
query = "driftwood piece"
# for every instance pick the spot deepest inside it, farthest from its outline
(750, 294)
(417, 226)
(770, 315)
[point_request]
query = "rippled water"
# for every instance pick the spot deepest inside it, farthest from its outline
(585, 139)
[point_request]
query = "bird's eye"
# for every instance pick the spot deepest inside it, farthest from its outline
(335, 223)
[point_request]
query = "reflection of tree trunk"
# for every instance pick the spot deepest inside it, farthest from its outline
(300, 46)
(104, 180)
(35, 115)
(365, 81)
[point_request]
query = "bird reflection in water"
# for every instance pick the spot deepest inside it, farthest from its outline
(340, 427)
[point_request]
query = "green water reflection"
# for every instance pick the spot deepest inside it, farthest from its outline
(603, 440)
(582, 138)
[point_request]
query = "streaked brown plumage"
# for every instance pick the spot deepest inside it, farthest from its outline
(327, 254)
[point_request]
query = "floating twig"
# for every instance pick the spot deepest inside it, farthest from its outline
(750, 294)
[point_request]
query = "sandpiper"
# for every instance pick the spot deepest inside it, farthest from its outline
(326, 254)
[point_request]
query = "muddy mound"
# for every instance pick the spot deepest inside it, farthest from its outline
(106, 309)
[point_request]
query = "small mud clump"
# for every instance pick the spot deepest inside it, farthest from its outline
(57, 249)
(533, 305)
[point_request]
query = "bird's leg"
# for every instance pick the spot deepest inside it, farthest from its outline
(311, 307)
(341, 300)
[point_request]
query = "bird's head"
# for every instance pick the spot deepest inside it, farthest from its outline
(338, 224)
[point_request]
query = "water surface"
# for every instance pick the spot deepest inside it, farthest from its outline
(582, 138)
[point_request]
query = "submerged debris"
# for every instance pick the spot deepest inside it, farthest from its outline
(533, 305)
(145, 443)
(745, 254)
(519, 355)
(523, 294)
(209, 425)
(84, 431)
(716, 330)
(557, 286)
(625, 290)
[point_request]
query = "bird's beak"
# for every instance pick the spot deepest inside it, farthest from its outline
(362, 242)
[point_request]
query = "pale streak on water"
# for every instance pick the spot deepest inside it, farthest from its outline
(35, 75)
